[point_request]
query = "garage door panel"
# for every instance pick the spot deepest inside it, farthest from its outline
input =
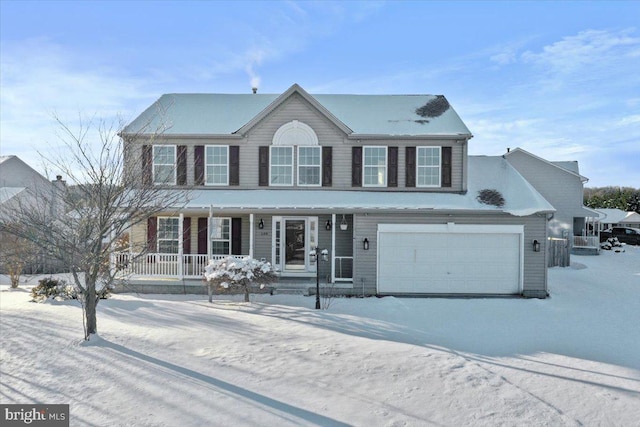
(452, 263)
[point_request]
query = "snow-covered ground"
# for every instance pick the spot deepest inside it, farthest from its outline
(572, 359)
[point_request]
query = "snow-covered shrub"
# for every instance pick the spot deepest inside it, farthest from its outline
(238, 274)
(52, 288)
(61, 290)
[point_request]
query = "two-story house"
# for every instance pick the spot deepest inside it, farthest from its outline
(383, 182)
(562, 185)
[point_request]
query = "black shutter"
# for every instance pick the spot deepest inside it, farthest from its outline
(392, 167)
(236, 236)
(446, 167)
(186, 235)
(263, 166)
(326, 166)
(198, 165)
(181, 166)
(410, 167)
(356, 166)
(147, 165)
(202, 235)
(234, 165)
(152, 232)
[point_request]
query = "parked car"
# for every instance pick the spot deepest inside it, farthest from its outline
(628, 235)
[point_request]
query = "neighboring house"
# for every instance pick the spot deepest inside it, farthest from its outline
(21, 185)
(632, 219)
(609, 217)
(612, 217)
(562, 185)
(384, 182)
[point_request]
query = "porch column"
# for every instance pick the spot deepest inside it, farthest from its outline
(250, 235)
(180, 248)
(333, 248)
(209, 233)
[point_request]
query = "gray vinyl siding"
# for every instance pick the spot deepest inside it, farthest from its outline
(296, 108)
(560, 188)
(534, 271)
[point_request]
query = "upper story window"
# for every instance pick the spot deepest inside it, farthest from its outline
(428, 161)
(164, 164)
(374, 166)
(281, 166)
(217, 165)
(168, 235)
(309, 166)
(220, 236)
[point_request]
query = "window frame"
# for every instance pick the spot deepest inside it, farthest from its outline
(207, 165)
(160, 231)
(318, 166)
(173, 165)
(426, 167)
(213, 239)
(365, 166)
(272, 165)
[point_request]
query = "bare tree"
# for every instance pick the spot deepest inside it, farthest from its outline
(15, 253)
(81, 223)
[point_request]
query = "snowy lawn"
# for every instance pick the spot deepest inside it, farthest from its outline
(572, 359)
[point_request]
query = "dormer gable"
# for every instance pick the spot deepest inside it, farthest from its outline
(293, 90)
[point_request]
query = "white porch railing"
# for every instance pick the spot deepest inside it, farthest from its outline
(586, 241)
(162, 265)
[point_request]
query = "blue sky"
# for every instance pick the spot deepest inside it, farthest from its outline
(559, 79)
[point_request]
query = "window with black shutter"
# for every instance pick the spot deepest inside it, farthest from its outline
(356, 166)
(327, 165)
(234, 165)
(392, 171)
(410, 167)
(147, 165)
(446, 166)
(263, 166)
(198, 167)
(181, 178)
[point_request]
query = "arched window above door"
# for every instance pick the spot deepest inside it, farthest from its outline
(295, 133)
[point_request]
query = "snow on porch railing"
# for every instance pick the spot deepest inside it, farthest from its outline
(162, 265)
(586, 241)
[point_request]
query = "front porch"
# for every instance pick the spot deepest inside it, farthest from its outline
(286, 241)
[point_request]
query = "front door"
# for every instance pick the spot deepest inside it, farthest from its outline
(293, 239)
(295, 244)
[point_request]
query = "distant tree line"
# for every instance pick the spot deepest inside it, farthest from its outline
(624, 198)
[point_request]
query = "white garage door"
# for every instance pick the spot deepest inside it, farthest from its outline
(449, 259)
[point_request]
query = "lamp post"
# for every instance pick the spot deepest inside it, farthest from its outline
(324, 254)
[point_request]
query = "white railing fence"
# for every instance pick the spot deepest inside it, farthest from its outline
(162, 265)
(586, 241)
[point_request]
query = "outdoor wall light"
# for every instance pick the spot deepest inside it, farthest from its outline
(536, 246)
(261, 224)
(365, 244)
(328, 225)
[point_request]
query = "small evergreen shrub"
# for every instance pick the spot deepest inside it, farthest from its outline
(60, 290)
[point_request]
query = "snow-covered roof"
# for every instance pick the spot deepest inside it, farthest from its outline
(631, 218)
(611, 216)
(567, 166)
(8, 193)
(224, 114)
(571, 166)
(485, 173)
